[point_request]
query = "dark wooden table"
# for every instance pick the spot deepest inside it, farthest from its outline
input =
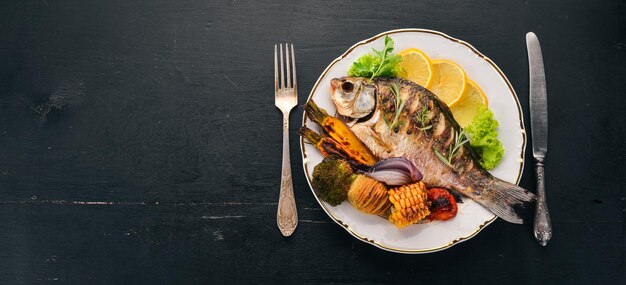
(139, 142)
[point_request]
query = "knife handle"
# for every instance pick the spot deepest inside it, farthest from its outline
(543, 227)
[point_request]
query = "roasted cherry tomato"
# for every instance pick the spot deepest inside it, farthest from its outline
(442, 204)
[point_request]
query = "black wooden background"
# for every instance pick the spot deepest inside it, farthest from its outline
(139, 142)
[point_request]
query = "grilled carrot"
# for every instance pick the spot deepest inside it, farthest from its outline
(341, 133)
(328, 146)
(325, 145)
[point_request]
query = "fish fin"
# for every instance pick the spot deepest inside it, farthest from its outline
(508, 201)
(380, 141)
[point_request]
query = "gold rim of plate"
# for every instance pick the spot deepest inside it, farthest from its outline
(473, 49)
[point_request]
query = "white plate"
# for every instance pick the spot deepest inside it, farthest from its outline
(471, 217)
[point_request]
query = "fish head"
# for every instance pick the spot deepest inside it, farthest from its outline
(354, 97)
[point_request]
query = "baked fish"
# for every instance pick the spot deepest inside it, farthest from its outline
(398, 118)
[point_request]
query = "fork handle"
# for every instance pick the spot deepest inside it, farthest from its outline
(287, 216)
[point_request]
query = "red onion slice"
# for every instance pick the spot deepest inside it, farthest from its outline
(395, 171)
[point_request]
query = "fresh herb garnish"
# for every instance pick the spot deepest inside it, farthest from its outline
(383, 63)
(422, 116)
(399, 107)
(459, 140)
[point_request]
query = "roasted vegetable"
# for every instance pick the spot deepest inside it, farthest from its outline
(410, 204)
(442, 204)
(348, 142)
(368, 195)
(395, 171)
(332, 179)
(325, 145)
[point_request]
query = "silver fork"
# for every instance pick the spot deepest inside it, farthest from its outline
(286, 99)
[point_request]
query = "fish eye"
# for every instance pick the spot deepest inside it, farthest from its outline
(347, 87)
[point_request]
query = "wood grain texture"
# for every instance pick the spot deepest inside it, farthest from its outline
(139, 142)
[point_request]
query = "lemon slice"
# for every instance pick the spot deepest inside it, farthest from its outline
(467, 106)
(448, 81)
(415, 66)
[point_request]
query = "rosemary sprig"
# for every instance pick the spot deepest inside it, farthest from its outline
(422, 116)
(459, 140)
(441, 157)
(399, 106)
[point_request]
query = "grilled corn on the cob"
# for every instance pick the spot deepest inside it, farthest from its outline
(410, 204)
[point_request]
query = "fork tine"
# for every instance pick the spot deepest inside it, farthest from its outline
(293, 65)
(282, 68)
(288, 65)
(275, 68)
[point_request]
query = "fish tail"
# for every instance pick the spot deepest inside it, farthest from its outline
(506, 200)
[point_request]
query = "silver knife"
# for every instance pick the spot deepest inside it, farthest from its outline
(539, 130)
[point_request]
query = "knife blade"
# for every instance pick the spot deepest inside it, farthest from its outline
(539, 131)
